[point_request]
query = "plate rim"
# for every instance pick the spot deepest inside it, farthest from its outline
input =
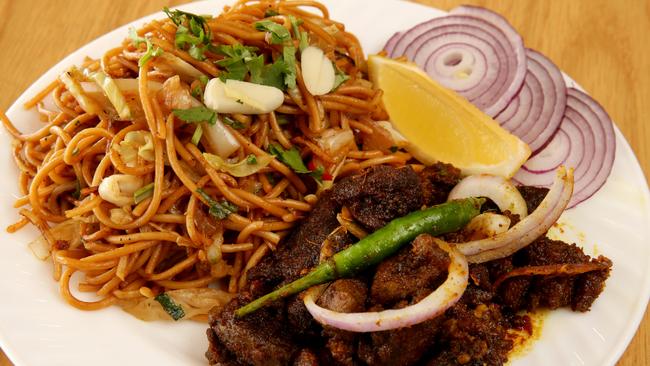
(620, 345)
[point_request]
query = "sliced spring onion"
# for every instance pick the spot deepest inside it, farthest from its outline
(170, 306)
(143, 193)
(196, 136)
(220, 210)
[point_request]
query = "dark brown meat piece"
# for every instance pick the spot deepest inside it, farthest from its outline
(260, 338)
(345, 296)
(299, 252)
(437, 181)
(472, 336)
(532, 292)
(306, 358)
(379, 195)
(217, 354)
(533, 196)
(416, 269)
(399, 347)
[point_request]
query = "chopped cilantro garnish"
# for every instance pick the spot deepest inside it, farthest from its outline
(233, 123)
(318, 173)
(197, 92)
(279, 34)
(192, 30)
(204, 79)
(196, 136)
(170, 306)
(270, 13)
(302, 37)
(196, 114)
(151, 50)
(289, 55)
(143, 193)
(251, 159)
(289, 157)
(220, 210)
(339, 77)
(235, 62)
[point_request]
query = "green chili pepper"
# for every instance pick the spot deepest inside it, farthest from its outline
(374, 248)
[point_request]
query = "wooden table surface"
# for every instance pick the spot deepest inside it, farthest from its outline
(600, 43)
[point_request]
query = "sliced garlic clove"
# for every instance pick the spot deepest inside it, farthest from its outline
(221, 141)
(317, 71)
(118, 189)
(236, 96)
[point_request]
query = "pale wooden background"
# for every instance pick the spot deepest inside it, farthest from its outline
(602, 44)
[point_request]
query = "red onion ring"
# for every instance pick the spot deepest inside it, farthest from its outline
(431, 306)
(472, 51)
(527, 230)
(588, 133)
(540, 104)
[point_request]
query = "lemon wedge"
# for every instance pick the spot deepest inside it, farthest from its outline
(442, 126)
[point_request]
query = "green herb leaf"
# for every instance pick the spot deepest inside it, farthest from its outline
(151, 52)
(289, 157)
(251, 159)
(196, 136)
(204, 79)
(270, 13)
(220, 210)
(282, 119)
(235, 62)
(191, 30)
(196, 114)
(393, 149)
(256, 67)
(279, 34)
(197, 93)
(302, 37)
(289, 55)
(170, 306)
(135, 38)
(339, 77)
(274, 74)
(318, 173)
(143, 193)
(233, 123)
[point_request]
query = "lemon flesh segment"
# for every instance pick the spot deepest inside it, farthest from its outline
(442, 126)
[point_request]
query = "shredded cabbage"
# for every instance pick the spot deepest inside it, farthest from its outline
(194, 301)
(66, 231)
(184, 69)
(70, 79)
(113, 94)
(243, 168)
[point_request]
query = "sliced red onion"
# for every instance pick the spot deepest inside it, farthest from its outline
(527, 230)
(431, 306)
(536, 112)
(585, 141)
(500, 190)
(472, 51)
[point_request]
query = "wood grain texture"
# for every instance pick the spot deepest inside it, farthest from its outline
(602, 44)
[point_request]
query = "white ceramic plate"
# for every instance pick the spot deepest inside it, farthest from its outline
(38, 328)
